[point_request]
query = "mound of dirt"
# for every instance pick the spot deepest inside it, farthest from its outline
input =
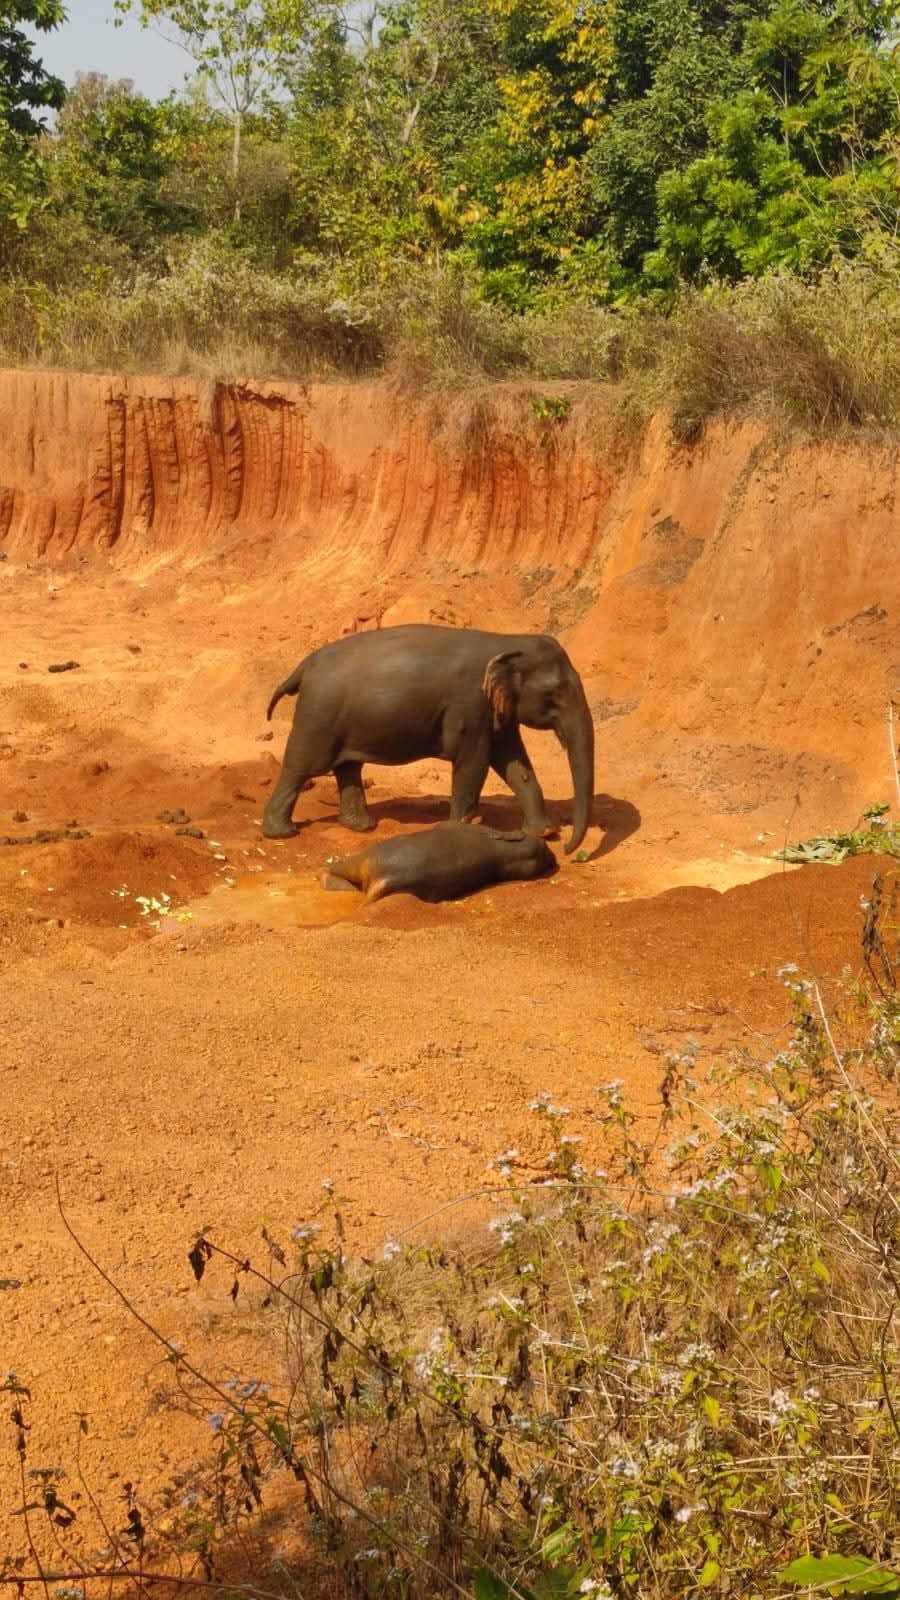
(115, 879)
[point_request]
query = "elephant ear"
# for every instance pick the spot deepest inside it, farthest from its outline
(502, 682)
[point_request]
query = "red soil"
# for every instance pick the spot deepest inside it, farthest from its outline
(734, 612)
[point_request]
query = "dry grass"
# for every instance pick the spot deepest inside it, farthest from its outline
(825, 356)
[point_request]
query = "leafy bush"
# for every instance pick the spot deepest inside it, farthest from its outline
(678, 1374)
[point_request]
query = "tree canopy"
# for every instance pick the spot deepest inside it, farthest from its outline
(592, 149)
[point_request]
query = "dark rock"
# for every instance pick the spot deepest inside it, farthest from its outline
(64, 666)
(190, 833)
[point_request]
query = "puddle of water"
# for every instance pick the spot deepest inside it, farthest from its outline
(273, 901)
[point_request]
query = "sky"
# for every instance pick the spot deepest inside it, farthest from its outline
(88, 42)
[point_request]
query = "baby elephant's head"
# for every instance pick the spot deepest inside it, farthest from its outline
(531, 856)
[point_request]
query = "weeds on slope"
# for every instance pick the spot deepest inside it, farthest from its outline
(676, 1375)
(876, 833)
(823, 354)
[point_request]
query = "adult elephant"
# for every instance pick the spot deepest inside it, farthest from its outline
(411, 692)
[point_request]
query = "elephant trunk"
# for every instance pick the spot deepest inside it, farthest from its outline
(577, 734)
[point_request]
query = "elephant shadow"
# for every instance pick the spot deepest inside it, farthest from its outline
(423, 810)
(618, 818)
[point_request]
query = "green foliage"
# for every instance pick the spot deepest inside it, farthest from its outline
(694, 198)
(673, 59)
(26, 89)
(99, 202)
(26, 92)
(802, 162)
(526, 176)
(842, 1575)
(874, 835)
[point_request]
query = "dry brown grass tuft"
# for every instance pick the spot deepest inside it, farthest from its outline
(824, 356)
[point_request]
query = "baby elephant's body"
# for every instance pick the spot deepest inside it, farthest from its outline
(442, 863)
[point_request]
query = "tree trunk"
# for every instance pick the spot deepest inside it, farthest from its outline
(236, 162)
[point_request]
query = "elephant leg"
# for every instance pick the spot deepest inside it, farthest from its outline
(511, 762)
(469, 773)
(354, 813)
(296, 769)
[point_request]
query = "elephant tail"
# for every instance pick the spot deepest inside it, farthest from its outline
(291, 685)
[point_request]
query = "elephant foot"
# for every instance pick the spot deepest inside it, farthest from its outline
(358, 823)
(279, 830)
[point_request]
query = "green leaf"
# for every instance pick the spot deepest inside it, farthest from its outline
(843, 1574)
(770, 1175)
(556, 1585)
(708, 1574)
(559, 1543)
(487, 1586)
(713, 1409)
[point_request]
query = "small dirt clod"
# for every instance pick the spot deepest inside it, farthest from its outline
(64, 666)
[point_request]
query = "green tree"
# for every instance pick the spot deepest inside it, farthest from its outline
(27, 90)
(526, 174)
(671, 60)
(385, 108)
(241, 48)
(802, 165)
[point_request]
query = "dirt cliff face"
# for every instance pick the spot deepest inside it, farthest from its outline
(734, 606)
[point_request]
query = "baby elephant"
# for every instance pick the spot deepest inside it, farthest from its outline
(442, 863)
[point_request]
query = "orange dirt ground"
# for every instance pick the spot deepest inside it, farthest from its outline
(733, 610)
